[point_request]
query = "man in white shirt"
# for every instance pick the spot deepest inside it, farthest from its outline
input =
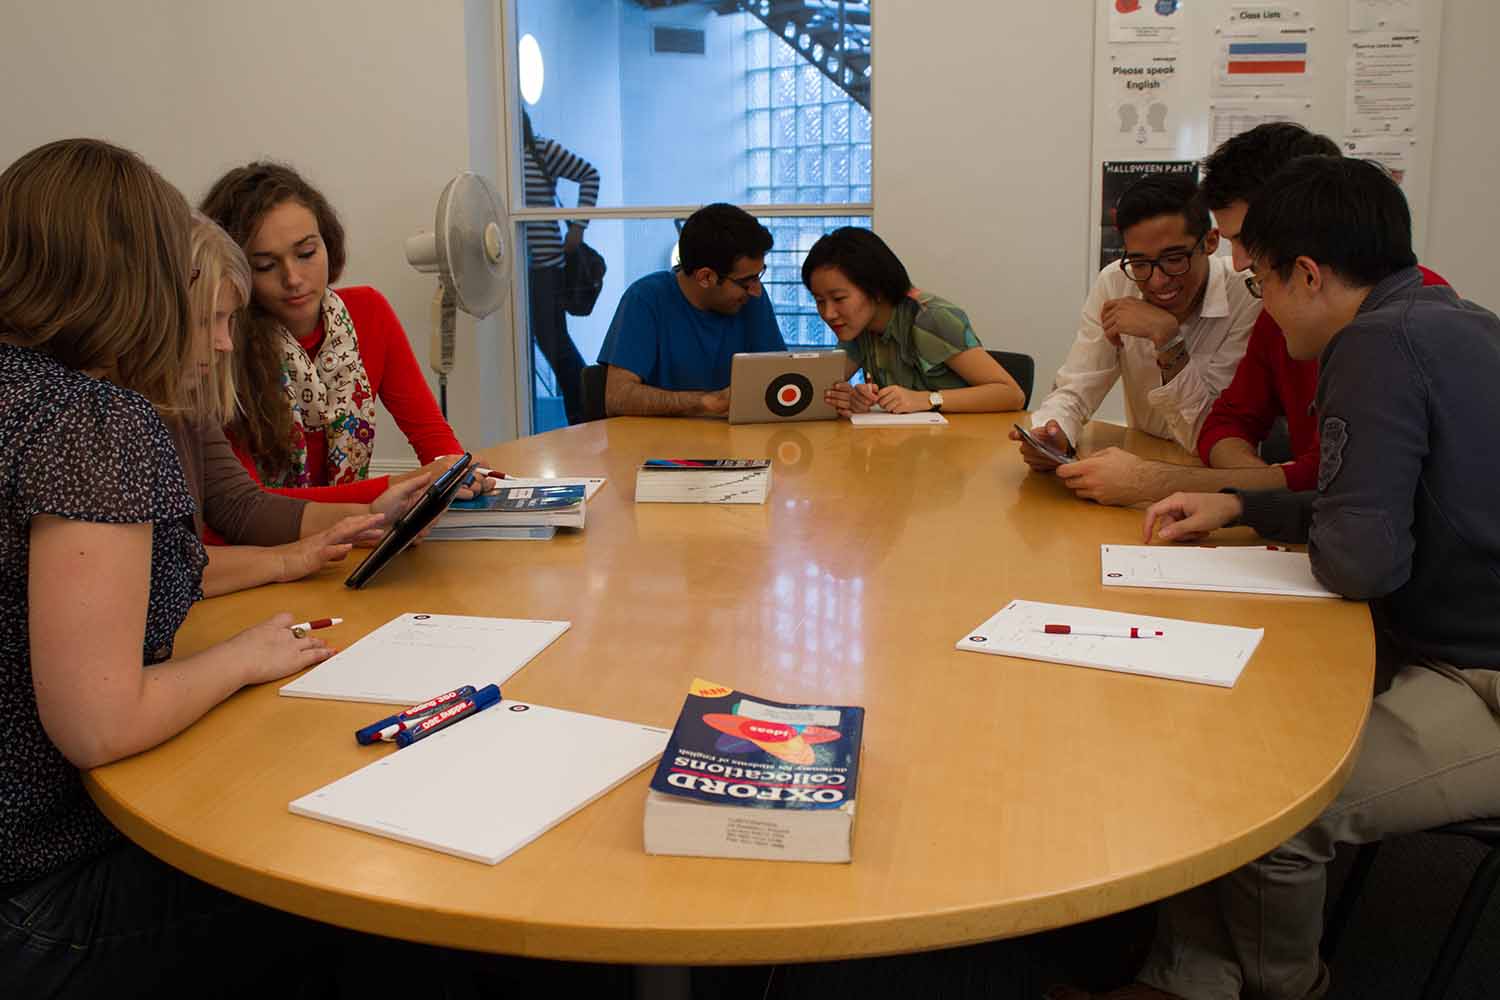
(1169, 318)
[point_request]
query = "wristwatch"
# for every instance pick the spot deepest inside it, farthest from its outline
(935, 400)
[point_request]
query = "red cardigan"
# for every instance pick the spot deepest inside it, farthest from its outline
(1268, 384)
(397, 381)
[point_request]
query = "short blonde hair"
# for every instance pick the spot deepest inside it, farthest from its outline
(216, 259)
(94, 266)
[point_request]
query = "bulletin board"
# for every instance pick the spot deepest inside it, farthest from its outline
(1174, 78)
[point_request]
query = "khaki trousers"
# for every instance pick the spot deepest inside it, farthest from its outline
(1430, 755)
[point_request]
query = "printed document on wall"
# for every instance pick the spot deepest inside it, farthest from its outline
(1383, 83)
(1145, 20)
(1229, 116)
(1267, 58)
(1146, 103)
(1246, 20)
(1394, 152)
(1385, 15)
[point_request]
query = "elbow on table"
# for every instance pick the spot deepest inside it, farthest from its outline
(1359, 576)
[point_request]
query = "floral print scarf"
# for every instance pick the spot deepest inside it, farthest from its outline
(329, 392)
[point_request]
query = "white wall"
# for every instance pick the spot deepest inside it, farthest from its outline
(982, 130)
(1464, 213)
(370, 101)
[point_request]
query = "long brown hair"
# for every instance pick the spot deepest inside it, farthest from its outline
(94, 266)
(238, 202)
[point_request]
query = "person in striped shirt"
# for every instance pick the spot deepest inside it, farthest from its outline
(546, 161)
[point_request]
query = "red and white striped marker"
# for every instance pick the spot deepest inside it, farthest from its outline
(1114, 633)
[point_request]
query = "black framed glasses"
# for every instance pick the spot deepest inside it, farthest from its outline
(1172, 264)
(749, 284)
(1254, 286)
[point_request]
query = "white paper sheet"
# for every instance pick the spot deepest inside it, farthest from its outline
(1250, 569)
(1394, 152)
(926, 418)
(1385, 15)
(1145, 21)
(1383, 78)
(1229, 116)
(1189, 651)
(487, 786)
(1146, 102)
(411, 658)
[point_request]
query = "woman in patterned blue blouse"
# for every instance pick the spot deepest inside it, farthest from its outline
(99, 564)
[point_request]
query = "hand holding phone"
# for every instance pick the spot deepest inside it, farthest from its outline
(1056, 455)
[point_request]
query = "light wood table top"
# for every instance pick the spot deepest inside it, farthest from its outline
(998, 796)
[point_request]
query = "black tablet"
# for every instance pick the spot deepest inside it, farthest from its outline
(434, 501)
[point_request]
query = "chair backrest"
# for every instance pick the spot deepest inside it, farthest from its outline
(1021, 367)
(591, 394)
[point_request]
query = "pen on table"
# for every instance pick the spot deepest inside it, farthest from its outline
(457, 712)
(1133, 632)
(484, 474)
(302, 628)
(392, 724)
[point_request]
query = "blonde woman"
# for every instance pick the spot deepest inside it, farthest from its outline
(255, 536)
(99, 564)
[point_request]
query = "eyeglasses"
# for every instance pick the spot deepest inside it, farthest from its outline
(1172, 264)
(748, 284)
(1254, 286)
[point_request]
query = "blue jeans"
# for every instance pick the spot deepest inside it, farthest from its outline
(123, 924)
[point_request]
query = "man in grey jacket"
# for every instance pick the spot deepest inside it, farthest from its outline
(1404, 516)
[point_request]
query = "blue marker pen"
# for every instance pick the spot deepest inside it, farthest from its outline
(477, 702)
(374, 732)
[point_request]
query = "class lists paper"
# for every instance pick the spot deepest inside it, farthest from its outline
(1250, 569)
(416, 656)
(485, 788)
(1188, 651)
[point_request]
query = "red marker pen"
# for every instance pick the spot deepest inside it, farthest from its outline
(1134, 632)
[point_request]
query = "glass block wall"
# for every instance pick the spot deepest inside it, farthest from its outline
(806, 141)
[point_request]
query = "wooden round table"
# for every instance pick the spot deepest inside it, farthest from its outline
(998, 796)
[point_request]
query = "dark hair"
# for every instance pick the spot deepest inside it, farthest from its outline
(1243, 163)
(1346, 214)
(1162, 194)
(717, 235)
(238, 202)
(865, 260)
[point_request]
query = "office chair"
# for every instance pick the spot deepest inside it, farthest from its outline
(1021, 367)
(1476, 898)
(591, 395)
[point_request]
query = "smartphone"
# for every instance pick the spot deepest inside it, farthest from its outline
(1046, 449)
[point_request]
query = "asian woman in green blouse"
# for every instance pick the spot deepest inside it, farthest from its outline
(918, 351)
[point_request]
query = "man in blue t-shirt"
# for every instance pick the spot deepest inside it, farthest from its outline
(669, 346)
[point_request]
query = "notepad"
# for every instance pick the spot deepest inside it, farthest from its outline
(897, 419)
(490, 785)
(1249, 569)
(1189, 651)
(411, 658)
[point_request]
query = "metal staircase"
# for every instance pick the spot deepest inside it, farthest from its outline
(833, 35)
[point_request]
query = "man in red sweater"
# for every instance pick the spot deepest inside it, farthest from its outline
(1268, 383)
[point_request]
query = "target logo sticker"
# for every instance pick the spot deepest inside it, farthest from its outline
(789, 394)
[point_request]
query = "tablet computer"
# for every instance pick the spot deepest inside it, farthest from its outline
(783, 385)
(434, 500)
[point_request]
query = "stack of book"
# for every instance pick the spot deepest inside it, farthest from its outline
(745, 777)
(512, 507)
(703, 480)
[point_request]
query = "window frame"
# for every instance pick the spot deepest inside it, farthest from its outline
(509, 157)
